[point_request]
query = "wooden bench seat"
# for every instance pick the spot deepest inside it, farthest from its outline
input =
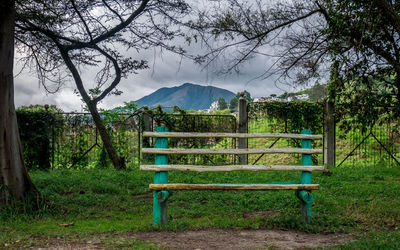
(233, 186)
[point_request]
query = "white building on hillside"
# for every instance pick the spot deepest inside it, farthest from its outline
(302, 97)
(213, 107)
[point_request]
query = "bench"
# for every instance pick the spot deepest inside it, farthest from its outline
(162, 189)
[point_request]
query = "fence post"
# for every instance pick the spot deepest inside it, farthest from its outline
(305, 196)
(329, 134)
(242, 128)
(160, 197)
(148, 127)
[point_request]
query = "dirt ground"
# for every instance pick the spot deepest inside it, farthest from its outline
(221, 239)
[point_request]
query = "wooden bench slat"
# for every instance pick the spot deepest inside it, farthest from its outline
(232, 151)
(234, 186)
(230, 135)
(229, 168)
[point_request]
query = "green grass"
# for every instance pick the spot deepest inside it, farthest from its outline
(363, 201)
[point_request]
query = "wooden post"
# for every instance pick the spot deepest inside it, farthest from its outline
(160, 197)
(242, 128)
(147, 124)
(329, 135)
(305, 196)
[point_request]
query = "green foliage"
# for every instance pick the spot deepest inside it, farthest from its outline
(296, 116)
(51, 138)
(37, 126)
(317, 92)
(69, 140)
(181, 121)
(284, 117)
(284, 96)
(80, 146)
(222, 104)
(367, 101)
(365, 76)
(233, 104)
(245, 94)
(220, 112)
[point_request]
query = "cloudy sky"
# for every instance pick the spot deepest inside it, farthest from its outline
(166, 70)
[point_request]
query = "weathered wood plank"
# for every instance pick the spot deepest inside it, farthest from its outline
(168, 151)
(243, 129)
(231, 135)
(234, 186)
(330, 134)
(230, 168)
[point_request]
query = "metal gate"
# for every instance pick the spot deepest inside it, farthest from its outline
(379, 144)
(192, 123)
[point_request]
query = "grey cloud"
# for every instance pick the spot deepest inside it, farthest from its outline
(167, 70)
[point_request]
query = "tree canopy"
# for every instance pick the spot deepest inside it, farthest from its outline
(222, 104)
(349, 43)
(233, 103)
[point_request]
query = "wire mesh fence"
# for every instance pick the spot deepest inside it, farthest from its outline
(76, 142)
(196, 123)
(378, 144)
(283, 117)
(71, 140)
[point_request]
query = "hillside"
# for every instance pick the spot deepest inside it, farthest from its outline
(315, 93)
(187, 96)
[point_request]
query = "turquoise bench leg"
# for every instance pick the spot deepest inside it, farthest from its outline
(306, 198)
(160, 198)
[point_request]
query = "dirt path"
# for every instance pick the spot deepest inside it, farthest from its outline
(241, 239)
(221, 239)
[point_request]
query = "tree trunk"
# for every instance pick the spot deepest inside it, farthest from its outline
(119, 163)
(14, 179)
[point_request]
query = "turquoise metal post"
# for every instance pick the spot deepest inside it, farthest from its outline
(160, 197)
(305, 196)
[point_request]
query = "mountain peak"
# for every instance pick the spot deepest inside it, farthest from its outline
(188, 84)
(187, 96)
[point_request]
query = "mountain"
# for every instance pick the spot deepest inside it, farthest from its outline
(187, 96)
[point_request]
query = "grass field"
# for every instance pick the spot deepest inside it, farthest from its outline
(360, 201)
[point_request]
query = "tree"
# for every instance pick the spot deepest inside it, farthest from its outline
(355, 43)
(245, 94)
(235, 100)
(365, 49)
(63, 38)
(222, 104)
(317, 92)
(233, 103)
(14, 179)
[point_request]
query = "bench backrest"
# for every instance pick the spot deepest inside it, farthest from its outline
(162, 150)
